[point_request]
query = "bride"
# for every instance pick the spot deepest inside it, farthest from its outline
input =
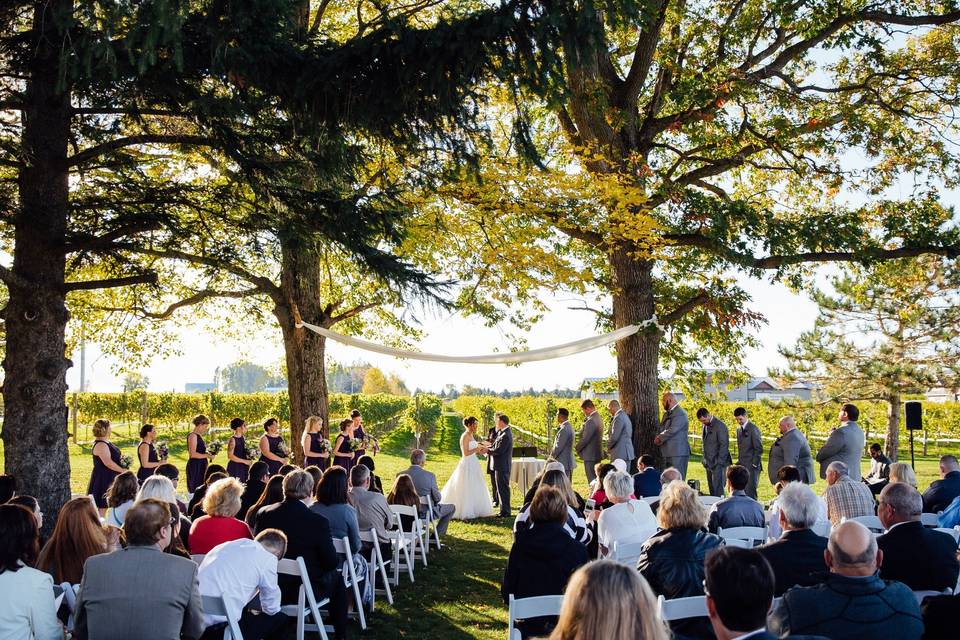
(467, 488)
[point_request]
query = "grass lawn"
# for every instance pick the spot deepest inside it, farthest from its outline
(458, 595)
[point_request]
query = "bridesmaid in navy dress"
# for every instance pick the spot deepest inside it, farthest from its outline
(270, 446)
(199, 458)
(314, 452)
(147, 452)
(238, 465)
(343, 454)
(106, 464)
(358, 432)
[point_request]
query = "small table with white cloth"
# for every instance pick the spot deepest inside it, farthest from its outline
(524, 470)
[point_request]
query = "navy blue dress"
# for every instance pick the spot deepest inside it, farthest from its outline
(359, 434)
(239, 470)
(274, 465)
(145, 472)
(316, 440)
(344, 461)
(196, 467)
(102, 477)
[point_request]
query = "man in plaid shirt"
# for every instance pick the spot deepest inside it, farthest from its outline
(846, 497)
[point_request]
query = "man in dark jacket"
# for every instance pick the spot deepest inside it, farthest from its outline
(853, 603)
(739, 586)
(739, 510)
(797, 556)
(308, 536)
(942, 492)
(646, 483)
(256, 483)
(922, 559)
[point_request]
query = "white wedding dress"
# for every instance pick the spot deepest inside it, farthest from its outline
(466, 489)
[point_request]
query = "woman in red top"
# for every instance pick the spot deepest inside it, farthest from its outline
(221, 504)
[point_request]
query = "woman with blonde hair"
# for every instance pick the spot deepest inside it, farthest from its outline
(315, 452)
(902, 472)
(220, 504)
(106, 464)
(198, 458)
(76, 536)
(608, 600)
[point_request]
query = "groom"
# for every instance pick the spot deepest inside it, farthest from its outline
(501, 453)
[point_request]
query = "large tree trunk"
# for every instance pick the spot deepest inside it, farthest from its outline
(304, 349)
(35, 386)
(638, 355)
(892, 444)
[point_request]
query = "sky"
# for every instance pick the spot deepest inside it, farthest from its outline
(788, 315)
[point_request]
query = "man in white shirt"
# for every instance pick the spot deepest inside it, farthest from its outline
(240, 570)
(738, 584)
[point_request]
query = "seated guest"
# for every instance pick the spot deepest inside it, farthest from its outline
(238, 571)
(846, 497)
(646, 483)
(76, 536)
(739, 510)
(608, 600)
(542, 557)
(426, 484)
(197, 508)
(221, 502)
(853, 603)
(170, 471)
(672, 559)
(308, 536)
(120, 496)
(942, 492)
(316, 473)
(739, 588)
(921, 558)
(272, 494)
(940, 617)
(669, 475)
(27, 607)
(197, 497)
(550, 466)
(375, 482)
(8, 488)
(404, 493)
(599, 496)
(333, 504)
(625, 520)
(902, 472)
(576, 524)
(159, 486)
(141, 573)
(797, 555)
(253, 489)
(30, 504)
(879, 469)
(176, 546)
(786, 475)
(285, 469)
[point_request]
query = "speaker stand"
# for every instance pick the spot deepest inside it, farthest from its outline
(913, 464)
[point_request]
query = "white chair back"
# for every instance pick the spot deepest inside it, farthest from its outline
(920, 595)
(627, 553)
(417, 528)
(651, 499)
(214, 606)
(378, 563)
(753, 535)
(682, 608)
(737, 542)
(930, 519)
(954, 533)
(307, 604)
(822, 528)
(870, 522)
(342, 547)
(709, 501)
(522, 608)
(198, 557)
(404, 543)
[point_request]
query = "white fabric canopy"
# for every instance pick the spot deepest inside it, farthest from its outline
(533, 355)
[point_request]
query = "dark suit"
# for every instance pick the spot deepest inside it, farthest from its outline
(646, 483)
(491, 436)
(501, 451)
(922, 559)
(308, 536)
(941, 493)
(796, 558)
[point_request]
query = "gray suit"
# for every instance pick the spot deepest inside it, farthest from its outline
(502, 453)
(791, 448)
(373, 512)
(426, 485)
(588, 448)
(845, 444)
(675, 439)
(716, 455)
(750, 454)
(161, 585)
(563, 447)
(620, 442)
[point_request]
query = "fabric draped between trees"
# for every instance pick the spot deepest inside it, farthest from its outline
(514, 357)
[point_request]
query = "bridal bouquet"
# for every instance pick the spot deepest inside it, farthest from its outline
(126, 461)
(283, 450)
(214, 447)
(163, 452)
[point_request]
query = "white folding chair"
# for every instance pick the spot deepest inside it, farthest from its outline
(954, 533)
(69, 594)
(681, 608)
(430, 522)
(651, 499)
(307, 605)
(523, 608)
(753, 535)
(377, 563)
(404, 543)
(214, 606)
(870, 522)
(627, 553)
(342, 546)
(417, 529)
(198, 557)
(737, 542)
(709, 501)
(822, 528)
(920, 595)
(930, 519)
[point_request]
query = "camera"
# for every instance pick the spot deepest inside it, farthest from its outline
(695, 485)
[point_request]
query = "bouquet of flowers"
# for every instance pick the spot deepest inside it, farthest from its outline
(357, 444)
(252, 451)
(163, 452)
(126, 461)
(214, 447)
(283, 451)
(324, 445)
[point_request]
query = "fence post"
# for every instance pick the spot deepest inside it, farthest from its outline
(74, 417)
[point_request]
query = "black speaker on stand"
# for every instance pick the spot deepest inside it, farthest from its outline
(914, 415)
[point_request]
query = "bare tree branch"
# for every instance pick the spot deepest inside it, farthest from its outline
(679, 312)
(196, 298)
(643, 55)
(107, 239)
(110, 283)
(94, 152)
(329, 321)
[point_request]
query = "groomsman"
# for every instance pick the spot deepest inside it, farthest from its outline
(716, 451)
(673, 438)
(620, 440)
(844, 444)
(791, 448)
(749, 449)
(563, 442)
(591, 437)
